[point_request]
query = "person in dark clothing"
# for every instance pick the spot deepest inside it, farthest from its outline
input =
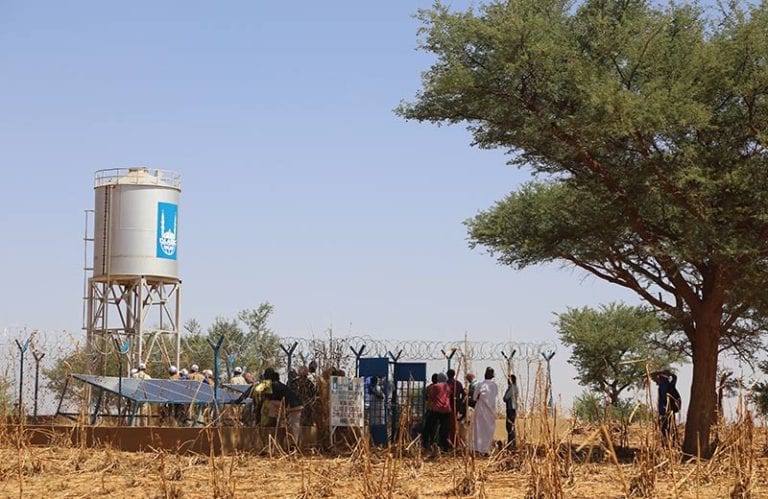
(307, 392)
(511, 397)
(458, 404)
(669, 402)
(291, 406)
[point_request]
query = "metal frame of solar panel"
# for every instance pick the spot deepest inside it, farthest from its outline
(237, 388)
(159, 391)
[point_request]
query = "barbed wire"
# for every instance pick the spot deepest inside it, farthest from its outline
(422, 349)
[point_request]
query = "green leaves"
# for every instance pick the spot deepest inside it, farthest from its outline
(645, 127)
(248, 338)
(611, 346)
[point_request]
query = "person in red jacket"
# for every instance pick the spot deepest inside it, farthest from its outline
(439, 420)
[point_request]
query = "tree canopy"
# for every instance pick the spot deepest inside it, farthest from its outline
(248, 340)
(646, 130)
(611, 347)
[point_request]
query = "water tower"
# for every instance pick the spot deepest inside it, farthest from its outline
(133, 292)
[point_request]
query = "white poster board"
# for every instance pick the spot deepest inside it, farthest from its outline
(347, 401)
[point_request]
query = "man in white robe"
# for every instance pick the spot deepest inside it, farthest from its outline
(484, 420)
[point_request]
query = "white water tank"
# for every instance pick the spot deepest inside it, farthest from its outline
(136, 222)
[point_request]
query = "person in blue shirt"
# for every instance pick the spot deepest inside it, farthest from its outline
(669, 401)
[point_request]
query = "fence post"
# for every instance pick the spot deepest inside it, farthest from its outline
(230, 364)
(38, 358)
(216, 346)
(22, 351)
(548, 357)
(396, 402)
(289, 355)
(358, 354)
(509, 360)
(121, 348)
(448, 357)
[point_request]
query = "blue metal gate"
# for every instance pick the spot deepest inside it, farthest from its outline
(409, 397)
(375, 370)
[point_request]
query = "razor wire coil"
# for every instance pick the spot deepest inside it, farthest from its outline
(423, 349)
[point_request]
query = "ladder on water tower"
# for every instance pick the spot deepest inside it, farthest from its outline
(88, 239)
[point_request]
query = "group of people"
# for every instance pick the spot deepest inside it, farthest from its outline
(239, 377)
(455, 416)
(277, 404)
(452, 411)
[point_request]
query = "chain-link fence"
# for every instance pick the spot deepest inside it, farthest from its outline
(40, 350)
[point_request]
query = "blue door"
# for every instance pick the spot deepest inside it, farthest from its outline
(375, 370)
(409, 397)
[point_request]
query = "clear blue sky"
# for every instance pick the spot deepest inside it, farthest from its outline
(300, 185)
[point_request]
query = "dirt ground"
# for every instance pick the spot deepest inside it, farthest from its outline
(83, 472)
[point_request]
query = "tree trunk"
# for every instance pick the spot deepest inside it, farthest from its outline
(702, 407)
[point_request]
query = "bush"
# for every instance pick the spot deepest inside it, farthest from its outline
(590, 407)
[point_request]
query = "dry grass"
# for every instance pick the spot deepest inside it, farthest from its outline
(555, 458)
(739, 470)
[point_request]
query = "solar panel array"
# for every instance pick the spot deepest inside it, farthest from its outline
(160, 391)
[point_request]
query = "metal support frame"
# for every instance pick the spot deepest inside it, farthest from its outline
(96, 407)
(22, 351)
(139, 308)
(63, 393)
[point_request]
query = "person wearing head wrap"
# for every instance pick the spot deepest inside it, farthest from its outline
(195, 374)
(141, 372)
(238, 378)
(484, 419)
(208, 374)
(173, 373)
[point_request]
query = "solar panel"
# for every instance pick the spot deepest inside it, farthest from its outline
(159, 391)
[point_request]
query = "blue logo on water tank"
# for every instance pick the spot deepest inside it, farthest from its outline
(167, 219)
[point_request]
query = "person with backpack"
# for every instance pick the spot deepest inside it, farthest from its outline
(669, 402)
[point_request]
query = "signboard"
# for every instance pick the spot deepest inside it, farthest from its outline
(347, 401)
(167, 218)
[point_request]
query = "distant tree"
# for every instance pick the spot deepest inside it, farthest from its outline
(194, 347)
(760, 391)
(263, 344)
(728, 385)
(591, 407)
(611, 346)
(646, 127)
(248, 338)
(77, 362)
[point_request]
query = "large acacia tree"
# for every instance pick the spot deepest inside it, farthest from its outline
(646, 129)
